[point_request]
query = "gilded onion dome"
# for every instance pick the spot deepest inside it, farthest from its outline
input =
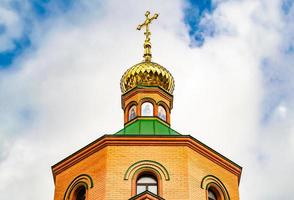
(147, 73)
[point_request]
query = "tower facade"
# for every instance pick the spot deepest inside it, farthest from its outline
(146, 159)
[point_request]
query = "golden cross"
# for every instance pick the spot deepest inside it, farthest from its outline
(147, 33)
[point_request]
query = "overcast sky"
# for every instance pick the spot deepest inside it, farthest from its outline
(61, 64)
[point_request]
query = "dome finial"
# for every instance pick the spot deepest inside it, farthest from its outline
(147, 33)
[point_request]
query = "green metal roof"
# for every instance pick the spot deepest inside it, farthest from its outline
(148, 126)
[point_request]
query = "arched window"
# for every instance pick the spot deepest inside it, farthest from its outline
(78, 188)
(211, 195)
(162, 113)
(216, 190)
(132, 112)
(147, 109)
(147, 182)
(80, 193)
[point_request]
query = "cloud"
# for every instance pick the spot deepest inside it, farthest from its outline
(63, 92)
(11, 27)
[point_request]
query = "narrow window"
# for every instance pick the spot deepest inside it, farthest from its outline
(80, 193)
(161, 113)
(147, 109)
(147, 182)
(211, 195)
(132, 112)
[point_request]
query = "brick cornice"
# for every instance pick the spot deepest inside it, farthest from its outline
(113, 140)
(150, 90)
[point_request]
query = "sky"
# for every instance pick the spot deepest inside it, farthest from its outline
(61, 64)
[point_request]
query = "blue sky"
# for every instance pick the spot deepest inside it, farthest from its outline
(194, 11)
(41, 10)
(31, 12)
(232, 62)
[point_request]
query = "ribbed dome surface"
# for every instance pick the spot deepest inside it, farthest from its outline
(147, 74)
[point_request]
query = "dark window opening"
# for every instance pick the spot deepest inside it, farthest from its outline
(81, 193)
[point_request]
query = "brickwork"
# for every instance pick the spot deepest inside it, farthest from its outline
(199, 167)
(107, 167)
(94, 166)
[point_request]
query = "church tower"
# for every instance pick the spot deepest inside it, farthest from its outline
(147, 159)
(147, 87)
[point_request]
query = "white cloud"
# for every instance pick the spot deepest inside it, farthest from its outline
(64, 92)
(12, 28)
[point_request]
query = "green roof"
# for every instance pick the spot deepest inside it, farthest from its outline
(148, 126)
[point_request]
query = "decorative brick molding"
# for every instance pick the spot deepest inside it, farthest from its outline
(81, 180)
(147, 164)
(212, 182)
(113, 140)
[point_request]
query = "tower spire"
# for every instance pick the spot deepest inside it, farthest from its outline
(147, 44)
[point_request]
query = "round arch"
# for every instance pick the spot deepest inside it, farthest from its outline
(212, 182)
(163, 104)
(147, 164)
(145, 99)
(132, 103)
(147, 109)
(166, 109)
(146, 167)
(149, 171)
(81, 180)
(128, 109)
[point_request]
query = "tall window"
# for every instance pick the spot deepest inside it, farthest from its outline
(147, 182)
(211, 195)
(161, 113)
(80, 193)
(132, 112)
(147, 109)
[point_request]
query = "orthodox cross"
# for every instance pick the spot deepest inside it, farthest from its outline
(147, 33)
